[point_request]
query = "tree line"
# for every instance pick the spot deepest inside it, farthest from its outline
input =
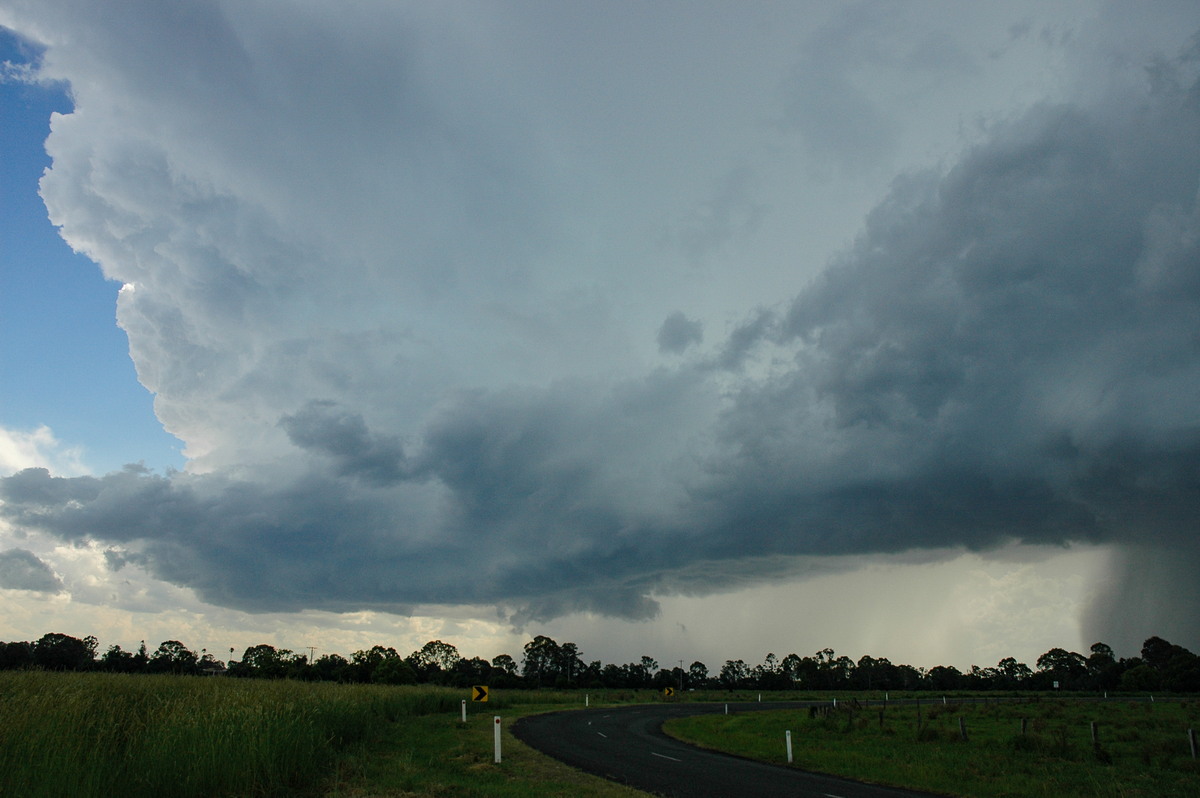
(547, 663)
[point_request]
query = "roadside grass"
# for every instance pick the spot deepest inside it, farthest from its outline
(95, 735)
(439, 755)
(1142, 748)
(92, 734)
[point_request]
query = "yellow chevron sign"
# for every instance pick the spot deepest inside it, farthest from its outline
(479, 692)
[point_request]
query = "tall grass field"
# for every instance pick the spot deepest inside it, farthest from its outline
(79, 735)
(1040, 748)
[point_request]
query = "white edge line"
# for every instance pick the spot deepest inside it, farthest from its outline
(664, 756)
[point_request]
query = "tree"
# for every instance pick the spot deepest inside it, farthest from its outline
(1104, 672)
(333, 668)
(945, 677)
(640, 674)
(466, 672)
(1011, 673)
(1156, 653)
(569, 663)
(1141, 678)
(171, 656)
(1177, 668)
(364, 663)
(210, 665)
(665, 678)
(59, 652)
(803, 671)
(540, 663)
(697, 674)
(267, 662)
(831, 669)
(15, 655)
(734, 673)
(873, 674)
(393, 670)
(505, 664)
(1062, 666)
(117, 660)
(433, 659)
(592, 674)
(770, 676)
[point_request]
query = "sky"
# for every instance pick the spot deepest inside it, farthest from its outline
(682, 329)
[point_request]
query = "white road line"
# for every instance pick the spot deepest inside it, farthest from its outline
(831, 795)
(602, 734)
(664, 756)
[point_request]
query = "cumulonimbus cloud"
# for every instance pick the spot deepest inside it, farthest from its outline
(1009, 352)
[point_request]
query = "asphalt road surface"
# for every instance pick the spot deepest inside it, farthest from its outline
(626, 744)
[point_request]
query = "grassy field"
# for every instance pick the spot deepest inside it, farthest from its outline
(82, 735)
(436, 757)
(1142, 747)
(68, 735)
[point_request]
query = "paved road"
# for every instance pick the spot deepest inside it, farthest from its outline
(627, 744)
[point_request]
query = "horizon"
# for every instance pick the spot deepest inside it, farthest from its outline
(690, 327)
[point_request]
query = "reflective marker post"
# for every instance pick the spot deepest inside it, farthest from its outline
(497, 739)
(464, 710)
(788, 737)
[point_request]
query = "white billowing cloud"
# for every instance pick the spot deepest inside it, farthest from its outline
(399, 279)
(38, 448)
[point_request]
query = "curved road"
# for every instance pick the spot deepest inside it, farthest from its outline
(627, 744)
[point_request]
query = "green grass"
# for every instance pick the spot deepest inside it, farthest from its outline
(83, 735)
(439, 757)
(1142, 751)
(69, 735)
(108, 734)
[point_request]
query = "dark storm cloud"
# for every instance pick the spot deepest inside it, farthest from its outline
(1009, 351)
(343, 436)
(23, 570)
(678, 332)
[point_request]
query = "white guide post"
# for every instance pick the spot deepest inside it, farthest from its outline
(464, 710)
(788, 737)
(496, 726)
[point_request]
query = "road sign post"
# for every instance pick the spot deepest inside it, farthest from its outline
(496, 738)
(479, 693)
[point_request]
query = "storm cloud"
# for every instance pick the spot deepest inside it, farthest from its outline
(393, 393)
(23, 570)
